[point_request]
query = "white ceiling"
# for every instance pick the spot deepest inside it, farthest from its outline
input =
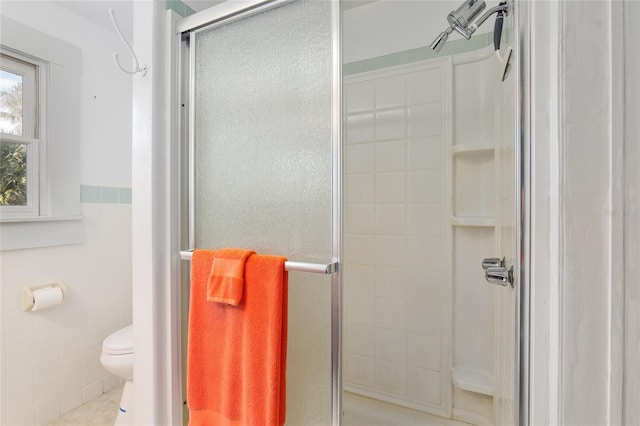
(98, 10)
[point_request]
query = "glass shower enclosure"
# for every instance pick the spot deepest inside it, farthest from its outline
(262, 161)
(310, 133)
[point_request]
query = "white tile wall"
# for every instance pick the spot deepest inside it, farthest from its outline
(425, 153)
(390, 156)
(50, 359)
(420, 93)
(424, 352)
(359, 97)
(425, 120)
(393, 272)
(391, 376)
(359, 128)
(359, 369)
(390, 124)
(390, 187)
(423, 385)
(390, 92)
(390, 283)
(361, 158)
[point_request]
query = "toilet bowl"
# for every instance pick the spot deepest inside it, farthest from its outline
(117, 358)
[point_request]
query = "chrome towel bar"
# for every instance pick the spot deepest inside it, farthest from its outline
(317, 268)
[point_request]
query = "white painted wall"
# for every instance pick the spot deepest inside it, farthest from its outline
(50, 360)
(631, 211)
(106, 111)
(586, 198)
(544, 377)
(584, 282)
(154, 254)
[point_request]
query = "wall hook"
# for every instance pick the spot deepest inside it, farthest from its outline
(138, 69)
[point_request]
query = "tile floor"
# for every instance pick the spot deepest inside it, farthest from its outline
(359, 411)
(101, 411)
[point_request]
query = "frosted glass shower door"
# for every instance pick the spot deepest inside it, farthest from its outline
(263, 157)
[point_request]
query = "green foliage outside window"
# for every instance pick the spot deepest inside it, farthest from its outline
(13, 174)
(13, 156)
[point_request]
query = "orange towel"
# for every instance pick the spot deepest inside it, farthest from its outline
(226, 281)
(236, 359)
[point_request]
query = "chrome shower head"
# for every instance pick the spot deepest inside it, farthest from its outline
(460, 20)
(441, 39)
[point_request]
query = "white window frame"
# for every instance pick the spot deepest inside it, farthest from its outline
(34, 94)
(59, 220)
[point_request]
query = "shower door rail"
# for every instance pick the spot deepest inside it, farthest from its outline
(318, 268)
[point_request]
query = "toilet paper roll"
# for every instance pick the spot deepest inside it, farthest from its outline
(47, 297)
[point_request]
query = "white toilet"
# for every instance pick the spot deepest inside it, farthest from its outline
(117, 358)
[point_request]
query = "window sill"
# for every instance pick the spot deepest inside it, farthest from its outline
(38, 219)
(33, 232)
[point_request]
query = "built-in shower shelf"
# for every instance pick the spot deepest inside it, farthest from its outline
(473, 221)
(472, 380)
(470, 148)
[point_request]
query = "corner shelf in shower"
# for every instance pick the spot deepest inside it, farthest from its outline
(473, 218)
(473, 221)
(471, 148)
(473, 381)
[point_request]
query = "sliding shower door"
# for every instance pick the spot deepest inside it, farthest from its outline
(263, 152)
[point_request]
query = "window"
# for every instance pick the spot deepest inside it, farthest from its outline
(45, 207)
(20, 142)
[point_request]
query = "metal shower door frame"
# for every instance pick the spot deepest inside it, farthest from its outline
(222, 14)
(522, 137)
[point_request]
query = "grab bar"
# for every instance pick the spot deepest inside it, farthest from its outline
(317, 268)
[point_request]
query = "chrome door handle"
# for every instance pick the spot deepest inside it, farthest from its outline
(492, 262)
(499, 275)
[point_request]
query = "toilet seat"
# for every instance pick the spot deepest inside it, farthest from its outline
(119, 343)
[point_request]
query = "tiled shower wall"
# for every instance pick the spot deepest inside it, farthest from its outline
(50, 360)
(395, 263)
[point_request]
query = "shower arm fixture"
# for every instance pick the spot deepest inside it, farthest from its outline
(460, 20)
(501, 8)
